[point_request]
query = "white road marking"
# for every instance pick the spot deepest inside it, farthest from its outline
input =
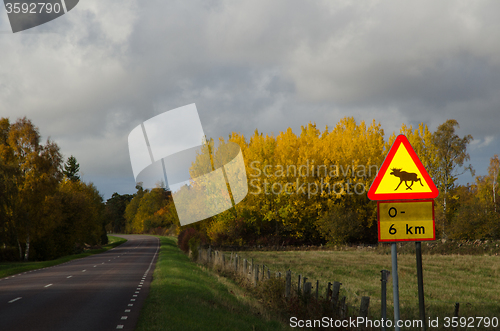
(136, 292)
(14, 300)
(69, 276)
(48, 285)
(127, 310)
(132, 299)
(124, 317)
(130, 304)
(84, 270)
(119, 326)
(134, 296)
(95, 266)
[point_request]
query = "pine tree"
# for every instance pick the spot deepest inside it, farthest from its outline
(71, 169)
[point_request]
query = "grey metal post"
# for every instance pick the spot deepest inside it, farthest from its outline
(383, 296)
(420, 279)
(395, 284)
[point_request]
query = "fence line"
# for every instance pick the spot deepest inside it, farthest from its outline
(255, 273)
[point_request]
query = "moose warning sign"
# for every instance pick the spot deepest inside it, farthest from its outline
(402, 176)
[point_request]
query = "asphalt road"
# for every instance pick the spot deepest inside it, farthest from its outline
(99, 292)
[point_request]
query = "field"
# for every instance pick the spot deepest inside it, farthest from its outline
(471, 280)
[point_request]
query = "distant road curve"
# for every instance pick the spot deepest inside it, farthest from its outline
(99, 292)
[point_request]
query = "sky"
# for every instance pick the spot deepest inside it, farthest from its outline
(88, 78)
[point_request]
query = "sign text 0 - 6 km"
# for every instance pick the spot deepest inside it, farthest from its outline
(406, 221)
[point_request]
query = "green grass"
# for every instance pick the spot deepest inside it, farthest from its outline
(13, 268)
(471, 280)
(185, 296)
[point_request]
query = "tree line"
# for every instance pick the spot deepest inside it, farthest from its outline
(311, 188)
(46, 211)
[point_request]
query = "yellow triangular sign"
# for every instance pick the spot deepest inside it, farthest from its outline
(402, 176)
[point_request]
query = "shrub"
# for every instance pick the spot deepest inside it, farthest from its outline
(184, 237)
(193, 243)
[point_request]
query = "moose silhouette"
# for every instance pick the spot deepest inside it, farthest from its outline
(405, 177)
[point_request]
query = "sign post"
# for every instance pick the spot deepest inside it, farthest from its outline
(399, 186)
(420, 280)
(395, 284)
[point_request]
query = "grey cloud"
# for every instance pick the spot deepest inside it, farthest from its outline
(107, 66)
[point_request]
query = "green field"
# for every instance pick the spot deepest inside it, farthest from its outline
(473, 281)
(13, 268)
(184, 296)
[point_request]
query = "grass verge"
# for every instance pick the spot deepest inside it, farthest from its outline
(184, 296)
(13, 268)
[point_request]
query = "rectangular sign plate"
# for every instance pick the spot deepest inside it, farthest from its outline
(406, 220)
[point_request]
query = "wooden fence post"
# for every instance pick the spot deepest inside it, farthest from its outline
(327, 294)
(298, 285)
(342, 308)
(256, 275)
(288, 284)
(457, 307)
(307, 291)
(335, 293)
(363, 309)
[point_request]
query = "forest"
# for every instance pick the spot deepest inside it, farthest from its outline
(310, 189)
(306, 189)
(46, 211)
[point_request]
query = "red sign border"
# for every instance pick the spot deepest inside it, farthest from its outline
(401, 139)
(399, 240)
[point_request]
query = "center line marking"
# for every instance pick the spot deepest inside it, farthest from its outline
(48, 285)
(84, 270)
(69, 276)
(13, 300)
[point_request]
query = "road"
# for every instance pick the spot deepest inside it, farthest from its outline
(99, 292)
